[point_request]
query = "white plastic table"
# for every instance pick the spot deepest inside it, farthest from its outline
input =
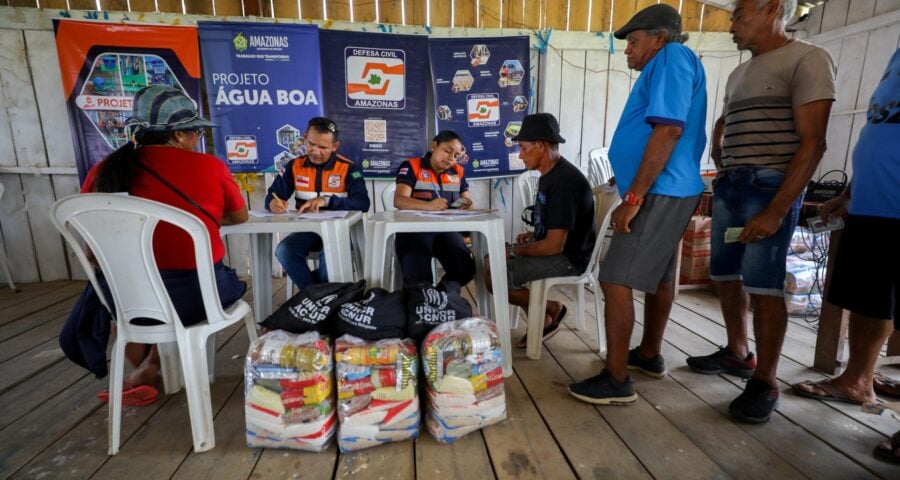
(380, 230)
(337, 235)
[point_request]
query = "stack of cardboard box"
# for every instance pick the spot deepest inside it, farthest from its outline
(695, 251)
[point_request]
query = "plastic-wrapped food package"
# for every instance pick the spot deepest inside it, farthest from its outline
(289, 385)
(378, 401)
(464, 368)
(803, 304)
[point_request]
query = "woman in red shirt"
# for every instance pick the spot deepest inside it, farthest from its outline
(160, 164)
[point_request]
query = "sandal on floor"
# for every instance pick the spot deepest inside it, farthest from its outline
(886, 385)
(889, 450)
(138, 396)
(549, 330)
(832, 394)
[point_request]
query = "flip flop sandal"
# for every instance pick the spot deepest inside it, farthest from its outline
(832, 394)
(549, 330)
(889, 450)
(886, 385)
(138, 396)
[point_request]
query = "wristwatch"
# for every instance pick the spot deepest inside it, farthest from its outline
(629, 198)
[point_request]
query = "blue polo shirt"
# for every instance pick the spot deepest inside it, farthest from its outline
(875, 189)
(671, 90)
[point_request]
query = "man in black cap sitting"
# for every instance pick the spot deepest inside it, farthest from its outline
(655, 154)
(563, 219)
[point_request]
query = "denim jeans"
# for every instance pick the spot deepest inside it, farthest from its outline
(739, 194)
(292, 253)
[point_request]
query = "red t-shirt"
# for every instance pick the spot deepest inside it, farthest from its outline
(203, 178)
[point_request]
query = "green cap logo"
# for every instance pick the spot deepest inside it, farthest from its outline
(240, 42)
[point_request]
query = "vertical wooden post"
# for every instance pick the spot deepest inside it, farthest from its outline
(832, 320)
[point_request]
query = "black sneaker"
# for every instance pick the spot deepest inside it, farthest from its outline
(655, 367)
(723, 361)
(756, 403)
(602, 389)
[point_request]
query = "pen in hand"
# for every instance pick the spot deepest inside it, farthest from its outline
(439, 201)
(277, 205)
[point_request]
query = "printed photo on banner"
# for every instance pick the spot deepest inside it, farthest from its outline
(481, 91)
(104, 65)
(380, 106)
(263, 83)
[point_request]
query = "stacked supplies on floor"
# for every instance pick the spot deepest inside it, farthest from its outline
(805, 272)
(464, 368)
(288, 392)
(695, 251)
(378, 400)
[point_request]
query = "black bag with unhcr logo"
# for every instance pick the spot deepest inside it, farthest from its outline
(428, 306)
(378, 315)
(314, 308)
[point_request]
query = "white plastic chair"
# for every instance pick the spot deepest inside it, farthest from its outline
(118, 230)
(605, 199)
(4, 262)
(387, 199)
(527, 185)
(599, 168)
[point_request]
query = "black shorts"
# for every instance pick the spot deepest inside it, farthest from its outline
(866, 277)
(521, 270)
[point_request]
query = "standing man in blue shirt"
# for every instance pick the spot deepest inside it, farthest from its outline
(871, 204)
(655, 155)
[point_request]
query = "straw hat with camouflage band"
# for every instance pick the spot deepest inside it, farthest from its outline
(163, 109)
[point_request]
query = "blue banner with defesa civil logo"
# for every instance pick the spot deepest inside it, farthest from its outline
(263, 83)
(379, 106)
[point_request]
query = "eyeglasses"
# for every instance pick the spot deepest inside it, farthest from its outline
(200, 132)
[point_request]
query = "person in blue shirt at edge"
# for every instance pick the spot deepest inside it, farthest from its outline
(320, 179)
(871, 206)
(655, 155)
(434, 182)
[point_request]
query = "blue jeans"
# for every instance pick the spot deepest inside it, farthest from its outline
(292, 253)
(739, 194)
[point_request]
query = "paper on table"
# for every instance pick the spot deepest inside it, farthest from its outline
(265, 213)
(323, 215)
(447, 213)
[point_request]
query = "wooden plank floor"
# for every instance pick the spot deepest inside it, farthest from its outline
(52, 426)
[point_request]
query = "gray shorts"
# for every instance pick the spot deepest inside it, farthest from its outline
(521, 270)
(646, 257)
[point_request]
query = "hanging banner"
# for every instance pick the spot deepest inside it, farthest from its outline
(104, 64)
(481, 90)
(380, 106)
(263, 84)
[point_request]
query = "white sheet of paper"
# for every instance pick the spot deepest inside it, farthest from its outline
(265, 213)
(449, 213)
(323, 215)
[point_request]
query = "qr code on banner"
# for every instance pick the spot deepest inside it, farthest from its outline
(375, 131)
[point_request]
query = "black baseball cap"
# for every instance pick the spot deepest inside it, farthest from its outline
(651, 18)
(539, 126)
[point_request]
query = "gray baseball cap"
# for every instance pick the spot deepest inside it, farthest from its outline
(651, 18)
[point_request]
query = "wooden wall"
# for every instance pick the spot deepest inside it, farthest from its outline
(861, 36)
(572, 15)
(40, 166)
